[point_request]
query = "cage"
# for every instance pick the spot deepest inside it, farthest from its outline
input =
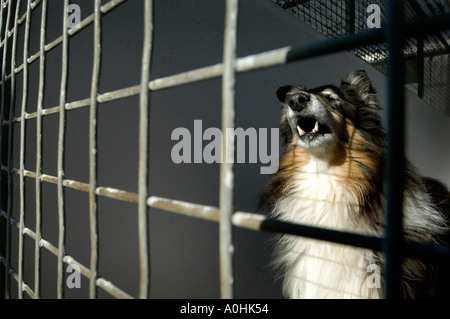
(92, 92)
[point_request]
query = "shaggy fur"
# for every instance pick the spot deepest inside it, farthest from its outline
(332, 175)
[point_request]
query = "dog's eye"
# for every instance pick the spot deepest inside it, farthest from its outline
(333, 100)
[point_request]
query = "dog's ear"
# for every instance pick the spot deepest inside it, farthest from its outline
(358, 83)
(282, 91)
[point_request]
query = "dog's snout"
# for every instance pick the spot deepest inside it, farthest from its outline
(299, 101)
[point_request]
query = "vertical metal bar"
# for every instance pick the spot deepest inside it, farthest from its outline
(447, 80)
(22, 138)
(396, 157)
(143, 151)
(420, 68)
(93, 151)
(3, 106)
(350, 16)
(37, 256)
(2, 192)
(226, 167)
(10, 148)
(1, 16)
(61, 153)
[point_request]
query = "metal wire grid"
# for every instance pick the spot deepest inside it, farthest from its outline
(429, 79)
(92, 102)
(225, 214)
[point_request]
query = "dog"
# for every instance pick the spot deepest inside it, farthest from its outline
(332, 175)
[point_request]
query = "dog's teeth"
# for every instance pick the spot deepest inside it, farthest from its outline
(316, 128)
(300, 131)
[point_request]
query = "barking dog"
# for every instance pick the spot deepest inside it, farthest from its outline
(332, 175)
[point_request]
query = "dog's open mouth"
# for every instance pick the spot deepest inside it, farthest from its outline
(310, 126)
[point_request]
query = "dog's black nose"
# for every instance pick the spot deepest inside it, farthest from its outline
(299, 101)
(303, 98)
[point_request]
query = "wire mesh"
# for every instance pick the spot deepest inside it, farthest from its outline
(9, 120)
(224, 215)
(427, 58)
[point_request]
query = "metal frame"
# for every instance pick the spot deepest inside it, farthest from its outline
(392, 244)
(427, 68)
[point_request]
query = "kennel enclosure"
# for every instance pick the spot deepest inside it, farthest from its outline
(27, 49)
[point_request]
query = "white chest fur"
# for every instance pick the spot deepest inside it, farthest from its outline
(319, 269)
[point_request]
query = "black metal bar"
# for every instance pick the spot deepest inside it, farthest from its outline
(336, 236)
(426, 252)
(412, 58)
(395, 150)
(347, 42)
(350, 16)
(416, 28)
(420, 67)
(426, 25)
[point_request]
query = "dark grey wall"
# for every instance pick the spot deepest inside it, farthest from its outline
(188, 34)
